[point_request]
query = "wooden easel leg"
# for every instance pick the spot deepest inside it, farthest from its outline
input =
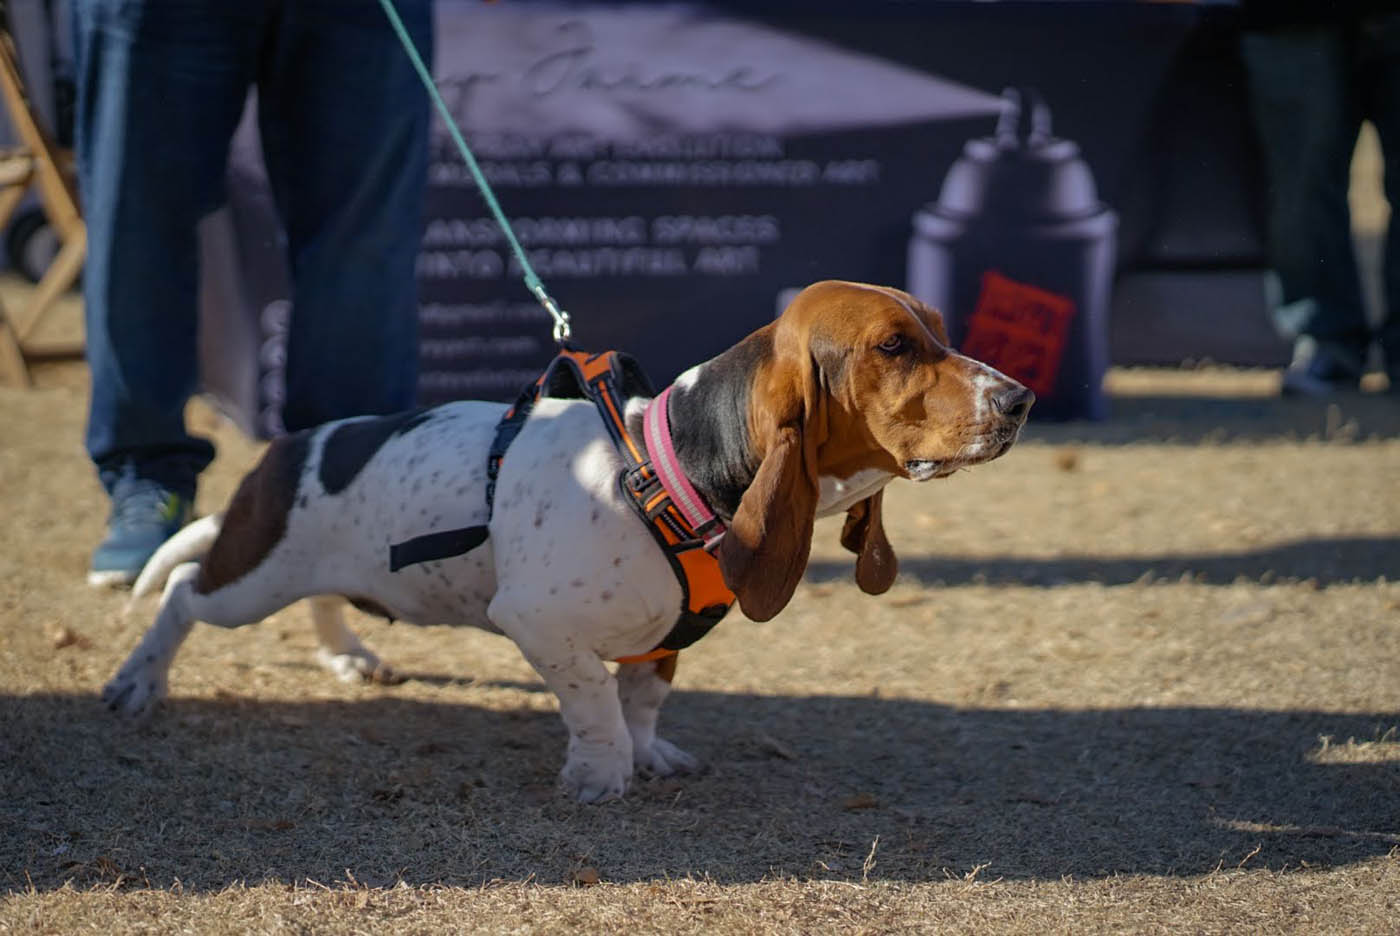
(13, 371)
(9, 199)
(61, 274)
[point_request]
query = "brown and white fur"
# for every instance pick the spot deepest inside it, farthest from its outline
(811, 415)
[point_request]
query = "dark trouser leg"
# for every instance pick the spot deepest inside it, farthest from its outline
(161, 84)
(345, 133)
(1308, 115)
(1381, 72)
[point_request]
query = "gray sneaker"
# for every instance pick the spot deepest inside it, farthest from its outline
(144, 515)
(1321, 369)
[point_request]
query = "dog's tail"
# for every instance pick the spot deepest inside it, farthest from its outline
(190, 543)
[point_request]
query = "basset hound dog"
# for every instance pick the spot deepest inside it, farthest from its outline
(812, 415)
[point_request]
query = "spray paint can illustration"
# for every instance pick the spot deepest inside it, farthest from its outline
(1017, 253)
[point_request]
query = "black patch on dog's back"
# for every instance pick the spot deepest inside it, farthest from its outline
(350, 447)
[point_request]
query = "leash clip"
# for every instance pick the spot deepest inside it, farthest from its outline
(563, 330)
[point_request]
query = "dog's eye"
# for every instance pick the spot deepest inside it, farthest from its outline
(894, 344)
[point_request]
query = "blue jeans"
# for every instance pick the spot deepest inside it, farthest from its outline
(1311, 87)
(344, 125)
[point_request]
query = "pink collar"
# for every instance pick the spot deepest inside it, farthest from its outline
(656, 431)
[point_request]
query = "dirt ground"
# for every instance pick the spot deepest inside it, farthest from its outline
(1141, 676)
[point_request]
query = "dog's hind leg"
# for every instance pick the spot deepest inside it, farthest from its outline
(339, 650)
(642, 687)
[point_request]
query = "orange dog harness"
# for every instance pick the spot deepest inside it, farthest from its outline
(673, 513)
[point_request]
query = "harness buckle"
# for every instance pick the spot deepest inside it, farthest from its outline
(637, 479)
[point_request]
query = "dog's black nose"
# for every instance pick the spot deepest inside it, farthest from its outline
(1014, 404)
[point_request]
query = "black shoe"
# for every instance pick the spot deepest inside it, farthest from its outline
(1321, 369)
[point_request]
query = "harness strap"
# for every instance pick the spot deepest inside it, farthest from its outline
(705, 599)
(603, 379)
(606, 380)
(506, 430)
(432, 546)
(448, 543)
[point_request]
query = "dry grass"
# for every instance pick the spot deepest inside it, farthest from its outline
(1139, 677)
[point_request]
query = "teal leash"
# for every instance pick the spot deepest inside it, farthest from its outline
(562, 329)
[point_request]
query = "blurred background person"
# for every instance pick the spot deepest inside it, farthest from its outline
(161, 86)
(1317, 71)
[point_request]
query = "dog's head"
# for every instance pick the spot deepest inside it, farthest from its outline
(860, 378)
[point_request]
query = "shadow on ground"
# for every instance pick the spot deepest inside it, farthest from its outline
(1325, 561)
(1190, 420)
(386, 789)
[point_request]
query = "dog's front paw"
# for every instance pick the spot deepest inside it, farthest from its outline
(357, 666)
(134, 691)
(661, 758)
(593, 776)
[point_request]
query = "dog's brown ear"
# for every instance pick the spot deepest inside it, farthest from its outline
(864, 534)
(764, 552)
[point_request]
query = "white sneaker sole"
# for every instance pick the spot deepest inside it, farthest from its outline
(110, 579)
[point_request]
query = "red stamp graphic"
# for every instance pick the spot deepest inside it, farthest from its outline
(1020, 330)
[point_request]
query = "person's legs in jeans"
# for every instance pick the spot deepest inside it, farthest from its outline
(160, 87)
(1381, 71)
(1308, 115)
(344, 123)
